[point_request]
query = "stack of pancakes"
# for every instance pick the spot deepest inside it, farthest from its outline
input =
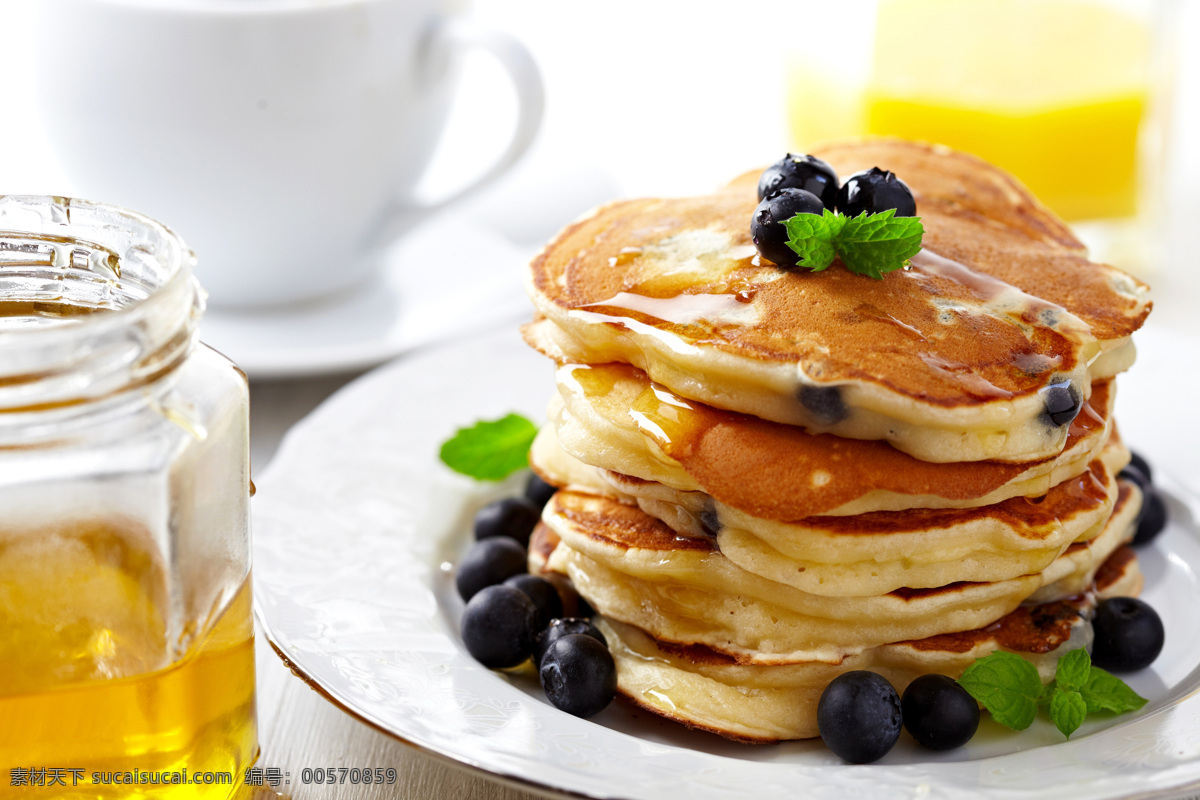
(768, 478)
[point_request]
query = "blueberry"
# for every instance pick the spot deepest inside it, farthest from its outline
(499, 627)
(564, 627)
(514, 517)
(489, 562)
(874, 190)
(1136, 460)
(579, 675)
(537, 491)
(858, 716)
(824, 403)
(583, 608)
(1139, 479)
(1062, 402)
(1133, 474)
(542, 593)
(800, 172)
(1152, 518)
(1128, 635)
(940, 714)
(766, 226)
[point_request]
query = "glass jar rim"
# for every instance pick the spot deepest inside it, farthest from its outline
(58, 252)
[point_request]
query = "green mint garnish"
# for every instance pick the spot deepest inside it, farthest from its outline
(1067, 709)
(490, 450)
(869, 244)
(1072, 672)
(812, 237)
(1106, 692)
(1008, 686)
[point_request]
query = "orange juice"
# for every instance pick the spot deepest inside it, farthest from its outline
(1055, 91)
(88, 685)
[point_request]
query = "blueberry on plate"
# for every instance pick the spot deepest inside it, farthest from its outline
(1134, 474)
(537, 491)
(559, 628)
(579, 675)
(514, 517)
(800, 172)
(489, 562)
(938, 713)
(499, 626)
(1128, 634)
(767, 229)
(542, 593)
(874, 190)
(858, 716)
(1152, 518)
(1136, 460)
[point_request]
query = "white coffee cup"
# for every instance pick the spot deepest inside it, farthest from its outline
(281, 138)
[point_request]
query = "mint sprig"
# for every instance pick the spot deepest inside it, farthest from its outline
(1006, 685)
(1010, 689)
(869, 244)
(490, 450)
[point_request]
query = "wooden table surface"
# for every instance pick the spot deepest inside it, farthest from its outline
(298, 727)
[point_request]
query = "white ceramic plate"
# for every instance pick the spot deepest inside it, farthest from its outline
(356, 527)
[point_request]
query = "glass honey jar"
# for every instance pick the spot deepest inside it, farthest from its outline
(126, 635)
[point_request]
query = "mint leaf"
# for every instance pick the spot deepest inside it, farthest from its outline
(1006, 685)
(1106, 692)
(1073, 670)
(875, 244)
(812, 238)
(1067, 709)
(490, 450)
(869, 244)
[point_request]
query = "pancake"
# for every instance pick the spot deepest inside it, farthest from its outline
(951, 360)
(633, 568)
(759, 703)
(877, 552)
(613, 417)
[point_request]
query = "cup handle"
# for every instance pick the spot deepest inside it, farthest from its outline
(456, 35)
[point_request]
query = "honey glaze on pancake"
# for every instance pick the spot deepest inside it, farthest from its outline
(1001, 300)
(973, 209)
(782, 472)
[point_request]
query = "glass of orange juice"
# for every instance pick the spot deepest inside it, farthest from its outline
(126, 636)
(1068, 95)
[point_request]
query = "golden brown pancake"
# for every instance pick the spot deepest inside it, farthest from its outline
(625, 423)
(683, 589)
(876, 552)
(947, 360)
(759, 703)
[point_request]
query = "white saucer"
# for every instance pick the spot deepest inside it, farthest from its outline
(443, 280)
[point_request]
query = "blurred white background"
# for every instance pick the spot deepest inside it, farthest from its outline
(664, 96)
(672, 97)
